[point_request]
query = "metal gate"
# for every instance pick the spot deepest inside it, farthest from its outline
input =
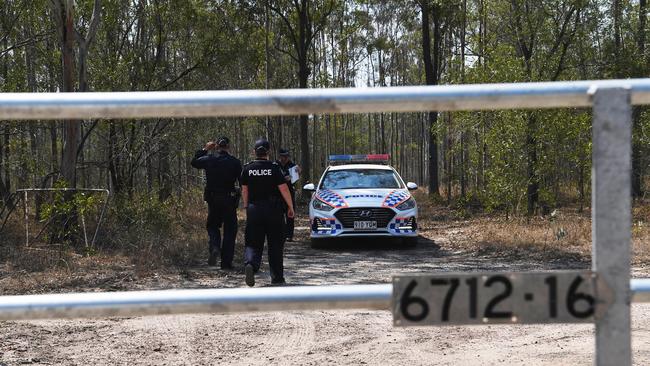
(611, 102)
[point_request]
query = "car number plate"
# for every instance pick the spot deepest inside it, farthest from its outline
(488, 298)
(365, 225)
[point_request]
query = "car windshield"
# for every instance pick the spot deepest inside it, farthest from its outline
(360, 178)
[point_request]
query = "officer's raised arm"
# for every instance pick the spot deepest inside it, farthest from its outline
(196, 162)
(199, 161)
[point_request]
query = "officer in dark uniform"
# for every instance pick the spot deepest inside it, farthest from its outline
(285, 163)
(265, 194)
(222, 170)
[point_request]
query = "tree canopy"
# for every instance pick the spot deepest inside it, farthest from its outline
(518, 161)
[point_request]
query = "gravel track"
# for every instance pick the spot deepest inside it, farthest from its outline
(318, 337)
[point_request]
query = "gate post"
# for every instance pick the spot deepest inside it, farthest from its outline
(611, 219)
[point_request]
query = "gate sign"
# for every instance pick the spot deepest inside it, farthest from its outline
(493, 298)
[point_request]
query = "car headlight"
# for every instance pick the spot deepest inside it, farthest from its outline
(406, 205)
(321, 206)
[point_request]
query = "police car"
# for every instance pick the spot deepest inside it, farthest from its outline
(362, 196)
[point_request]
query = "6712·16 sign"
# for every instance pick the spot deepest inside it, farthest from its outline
(489, 298)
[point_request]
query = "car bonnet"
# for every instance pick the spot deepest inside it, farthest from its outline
(364, 197)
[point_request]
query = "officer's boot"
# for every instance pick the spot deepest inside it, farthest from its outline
(214, 246)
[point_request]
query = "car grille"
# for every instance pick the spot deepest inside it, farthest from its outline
(347, 216)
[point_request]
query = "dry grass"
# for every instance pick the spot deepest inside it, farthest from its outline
(641, 234)
(566, 235)
(151, 240)
(155, 234)
(141, 240)
(98, 272)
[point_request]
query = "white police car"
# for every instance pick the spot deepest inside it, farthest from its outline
(358, 195)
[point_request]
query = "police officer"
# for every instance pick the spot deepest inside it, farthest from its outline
(286, 164)
(265, 194)
(222, 170)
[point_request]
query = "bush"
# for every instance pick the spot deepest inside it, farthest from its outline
(63, 213)
(155, 232)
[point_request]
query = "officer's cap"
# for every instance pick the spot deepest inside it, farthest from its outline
(262, 146)
(283, 152)
(223, 141)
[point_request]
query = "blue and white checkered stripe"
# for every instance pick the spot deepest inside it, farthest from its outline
(364, 196)
(331, 198)
(394, 226)
(396, 197)
(331, 223)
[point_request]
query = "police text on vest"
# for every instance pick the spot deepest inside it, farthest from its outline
(259, 172)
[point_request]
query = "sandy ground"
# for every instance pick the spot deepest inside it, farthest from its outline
(318, 337)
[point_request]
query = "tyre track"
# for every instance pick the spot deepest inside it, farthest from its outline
(280, 337)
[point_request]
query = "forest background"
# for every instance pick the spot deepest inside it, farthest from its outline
(514, 162)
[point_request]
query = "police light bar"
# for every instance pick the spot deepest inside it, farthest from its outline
(372, 158)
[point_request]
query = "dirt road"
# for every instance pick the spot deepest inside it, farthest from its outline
(319, 337)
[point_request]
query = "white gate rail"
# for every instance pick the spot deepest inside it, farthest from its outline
(611, 179)
(133, 303)
(223, 301)
(312, 101)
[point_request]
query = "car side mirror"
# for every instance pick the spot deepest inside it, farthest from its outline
(309, 187)
(411, 186)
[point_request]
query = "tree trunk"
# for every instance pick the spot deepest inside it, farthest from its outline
(113, 160)
(637, 173)
(463, 165)
(267, 74)
(6, 157)
(303, 75)
(71, 128)
(148, 166)
(54, 149)
(616, 19)
(431, 75)
(421, 157)
(164, 173)
(4, 189)
(30, 56)
(482, 145)
(449, 157)
(581, 181)
(463, 137)
(532, 190)
(279, 133)
(525, 47)
(637, 170)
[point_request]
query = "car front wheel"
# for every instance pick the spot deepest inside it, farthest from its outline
(410, 242)
(318, 243)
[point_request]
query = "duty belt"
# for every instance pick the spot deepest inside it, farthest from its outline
(267, 200)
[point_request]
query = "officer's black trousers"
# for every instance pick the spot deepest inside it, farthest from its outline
(289, 220)
(222, 210)
(265, 220)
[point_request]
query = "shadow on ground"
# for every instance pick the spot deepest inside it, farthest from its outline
(372, 245)
(374, 260)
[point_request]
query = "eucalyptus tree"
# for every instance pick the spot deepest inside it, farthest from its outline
(303, 21)
(74, 36)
